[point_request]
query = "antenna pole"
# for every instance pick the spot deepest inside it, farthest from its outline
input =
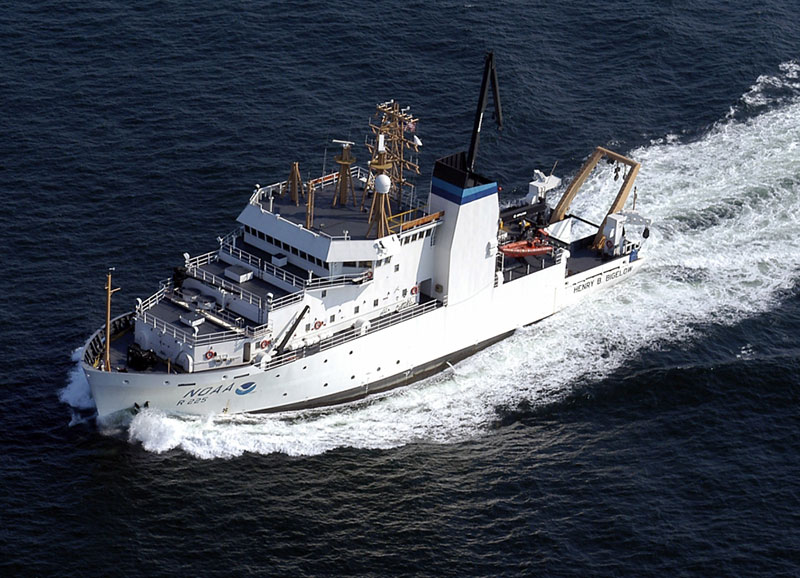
(109, 292)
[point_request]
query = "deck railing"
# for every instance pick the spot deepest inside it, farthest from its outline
(217, 281)
(274, 272)
(339, 280)
(261, 193)
(263, 266)
(286, 300)
(153, 300)
(200, 260)
(200, 340)
(354, 333)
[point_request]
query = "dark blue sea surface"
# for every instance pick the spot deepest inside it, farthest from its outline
(652, 431)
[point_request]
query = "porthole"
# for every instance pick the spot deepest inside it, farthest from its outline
(305, 367)
(325, 361)
(398, 362)
(352, 377)
(351, 352)
(284, 394)
(325, 385)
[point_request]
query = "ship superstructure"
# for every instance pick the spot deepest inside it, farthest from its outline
(346, 284)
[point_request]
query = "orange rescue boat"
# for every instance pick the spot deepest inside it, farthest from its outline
(522, 249)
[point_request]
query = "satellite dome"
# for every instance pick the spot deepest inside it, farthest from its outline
(382, 184)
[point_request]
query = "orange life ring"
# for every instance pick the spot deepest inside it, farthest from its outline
(265, 343)
(414, 290)
(318, 324)
(210, 354)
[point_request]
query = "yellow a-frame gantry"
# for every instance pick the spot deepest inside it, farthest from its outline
(560, 212)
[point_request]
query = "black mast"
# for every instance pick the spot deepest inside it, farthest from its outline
(489, 75)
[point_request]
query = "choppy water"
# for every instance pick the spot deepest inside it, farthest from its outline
(652, 430)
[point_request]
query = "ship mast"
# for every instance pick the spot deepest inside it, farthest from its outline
(392, 123)
(310, 206)
(345, 184)
(109, 292)
(380, 211)
(295, 184)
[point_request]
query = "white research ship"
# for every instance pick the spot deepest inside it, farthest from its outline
(345, 285)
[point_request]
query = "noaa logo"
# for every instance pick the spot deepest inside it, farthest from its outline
(246, 388)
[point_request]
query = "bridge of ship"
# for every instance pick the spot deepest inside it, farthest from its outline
(165, 308)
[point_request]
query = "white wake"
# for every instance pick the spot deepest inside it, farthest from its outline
(725, 210)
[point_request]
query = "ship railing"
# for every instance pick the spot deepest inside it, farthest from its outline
(409, 220)
(244, 294)
(354, 333)
(356, 173)
(201, 340)
(275, 272)
(217, 337)
(339, 280)
(378, 324)
(259, 331)
(230, 238)
(165, 327)
(286, 300)
(95, 347)
(200, 260)
(263, 266)
(321, 283)
(155, 298)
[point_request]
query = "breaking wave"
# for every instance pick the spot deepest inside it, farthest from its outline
(725, 209)
(77, 392)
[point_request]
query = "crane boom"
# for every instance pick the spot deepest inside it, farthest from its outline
(489, 75)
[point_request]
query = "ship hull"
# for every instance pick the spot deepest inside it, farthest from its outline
(395, 356)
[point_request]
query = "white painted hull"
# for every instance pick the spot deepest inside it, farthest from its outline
(391, 357)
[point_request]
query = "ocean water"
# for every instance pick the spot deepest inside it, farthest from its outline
(651, 431)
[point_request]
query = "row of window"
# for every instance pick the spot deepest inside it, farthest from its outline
(277, 243)
(285, 246)
(420, 235)
(359, 264)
